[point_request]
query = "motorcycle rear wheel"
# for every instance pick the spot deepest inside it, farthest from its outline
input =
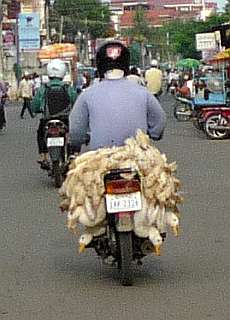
(57, 174)
(125, 259)
(216, 134)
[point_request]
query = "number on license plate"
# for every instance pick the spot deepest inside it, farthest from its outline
(55, 142)
(123, 202)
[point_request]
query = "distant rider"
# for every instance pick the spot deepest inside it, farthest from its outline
(135, 76)
(3, 96)
(153, 78)
(54, 100)
(114, 108)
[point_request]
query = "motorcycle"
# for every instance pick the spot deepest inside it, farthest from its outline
(119, 244)
(212, 107)
(56, 135)
(183, 108)
(213, 117)
(214, 121)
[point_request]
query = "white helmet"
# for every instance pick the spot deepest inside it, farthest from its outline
(154, 63)
(56, 69)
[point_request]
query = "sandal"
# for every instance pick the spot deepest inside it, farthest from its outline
(44, 164)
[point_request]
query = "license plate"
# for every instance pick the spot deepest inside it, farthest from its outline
(123, 202)
(55, 142)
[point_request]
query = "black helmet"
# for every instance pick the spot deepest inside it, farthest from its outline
(112, 55)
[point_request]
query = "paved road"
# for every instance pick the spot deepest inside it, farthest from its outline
(43, 278)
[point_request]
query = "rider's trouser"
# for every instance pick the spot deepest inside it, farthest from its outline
(2, 116)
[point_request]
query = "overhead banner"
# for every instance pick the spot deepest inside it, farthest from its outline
(29, 31)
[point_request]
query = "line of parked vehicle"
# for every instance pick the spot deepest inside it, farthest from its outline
(209, 112)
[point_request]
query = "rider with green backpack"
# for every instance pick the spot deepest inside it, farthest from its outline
(53, 100)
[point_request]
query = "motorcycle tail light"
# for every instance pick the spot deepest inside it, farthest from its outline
(122, 186)
(53, 131)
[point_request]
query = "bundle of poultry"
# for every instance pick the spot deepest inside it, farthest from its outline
(83, 190)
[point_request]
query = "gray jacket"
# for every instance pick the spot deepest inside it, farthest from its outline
(113, 110)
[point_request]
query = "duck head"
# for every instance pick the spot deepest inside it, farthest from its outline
(84, 241)
(156, 239)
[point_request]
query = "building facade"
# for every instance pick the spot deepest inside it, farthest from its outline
(13, 54)
(160, 11)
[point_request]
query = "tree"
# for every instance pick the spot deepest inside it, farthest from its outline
(135, 53)
(89, 16)
(182, 34)
(227, 7)
(140, 32)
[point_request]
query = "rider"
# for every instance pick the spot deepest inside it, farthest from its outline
(135, 76)
(153, 78)
(114, 108)
(64, 94)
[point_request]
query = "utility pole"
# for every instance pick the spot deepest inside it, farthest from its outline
(17, 49)
(143, 51)
(204, 10)
(61, 29)
(86, 42)
(167, 43)
(1, 43)
(47, 3)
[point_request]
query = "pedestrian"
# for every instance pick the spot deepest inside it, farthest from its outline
(173, 79)
(3, 96)
(25, 92)
(153, 78)
(188, 89)
(36, 83)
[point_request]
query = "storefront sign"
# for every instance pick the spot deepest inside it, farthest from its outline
(29, 31)
(206, 41)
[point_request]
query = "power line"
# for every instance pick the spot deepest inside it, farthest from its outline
(84, 22)
(80, 7)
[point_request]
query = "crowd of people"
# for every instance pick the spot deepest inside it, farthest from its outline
(153, 81)
(109, 81)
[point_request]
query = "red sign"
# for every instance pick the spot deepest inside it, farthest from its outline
(13, 9)
(8, 39)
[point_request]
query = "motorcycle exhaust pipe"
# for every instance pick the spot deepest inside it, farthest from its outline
(184, 113)
(218, 127)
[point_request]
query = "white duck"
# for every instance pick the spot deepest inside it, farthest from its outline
(84, 241)
(143, 225)
(172, 220)
(145, 218)
(72, 219)
(160, 219)
(90, 233)
(89, 216)
(156, 239)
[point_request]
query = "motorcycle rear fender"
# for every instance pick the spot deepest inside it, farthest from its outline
(55, 153)
(207, 114)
